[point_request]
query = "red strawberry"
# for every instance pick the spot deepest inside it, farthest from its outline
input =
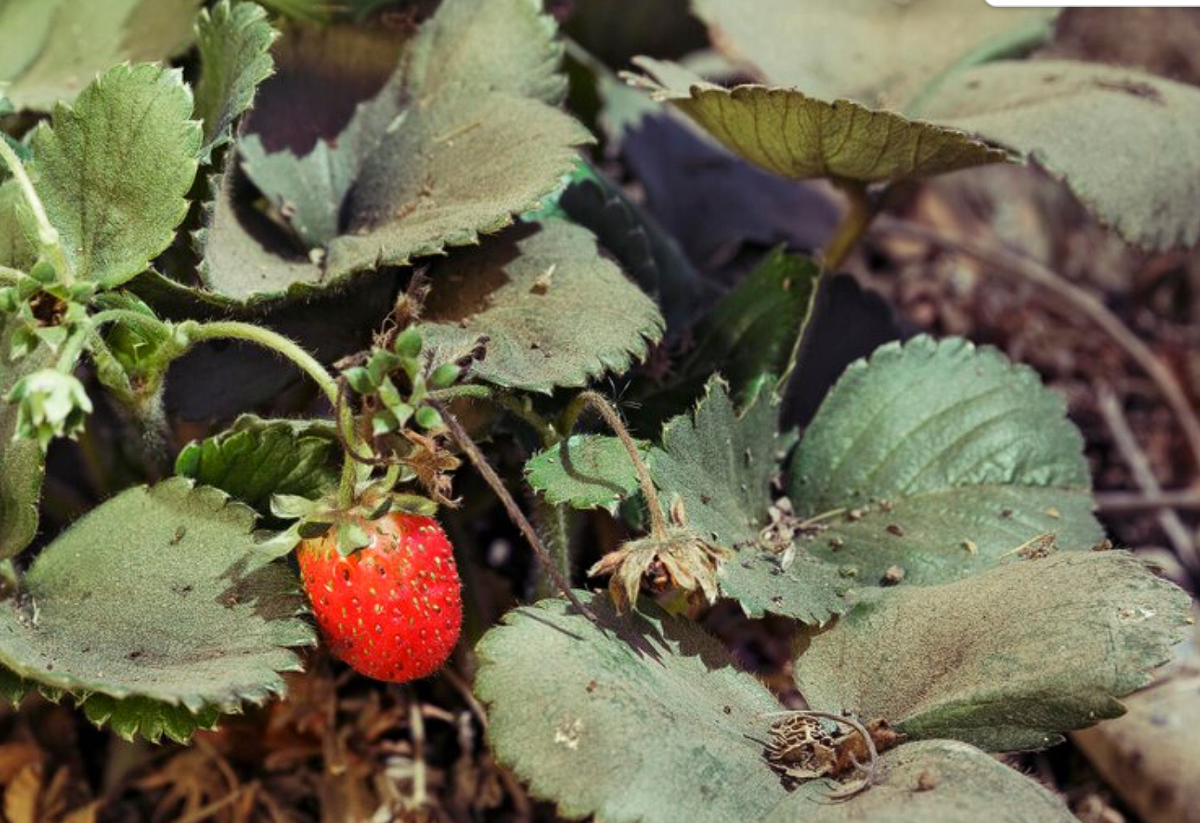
(393, 609)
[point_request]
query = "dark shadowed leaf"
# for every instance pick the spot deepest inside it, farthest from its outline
(648, 254)
(1098, 128)
(151, 595)
(151, 719)
(254, 459)
(114, 169)
(555, 311)
(1007, 659)
(847, 322)
(715, 203)
(943, 459)
(53, 48)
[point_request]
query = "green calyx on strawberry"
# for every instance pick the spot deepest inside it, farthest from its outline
(392, 610)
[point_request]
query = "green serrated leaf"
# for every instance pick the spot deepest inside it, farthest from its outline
(878, 52)
(786, 132)
(18, 237)
(1097, 128)
(245, 257)
(720, 466)
(937, 781)
(951, 457)
(602, 685)
(751, 336)
(21, 460)
(643, 248)
(255, 459)
(588, 471)
(151, 595)
(114, 170)
(54, 48)
(235, 57)
(152, 719)
(1007, 659)
(555, 311)
(463, 137)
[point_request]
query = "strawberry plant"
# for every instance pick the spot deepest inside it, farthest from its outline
(378, 262)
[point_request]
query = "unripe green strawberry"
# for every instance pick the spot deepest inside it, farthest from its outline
(393, 609)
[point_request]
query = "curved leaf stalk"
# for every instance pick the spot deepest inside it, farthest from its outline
(48, 237)
(519, 519)
(197, 332)
(591, 400)
(863, 210)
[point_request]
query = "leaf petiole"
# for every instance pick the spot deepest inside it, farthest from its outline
(48, 236)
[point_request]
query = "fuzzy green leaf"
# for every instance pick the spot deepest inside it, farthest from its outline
(952, 456)
(53, 48)
(246, 257)
(555, 311)
(600, 688)
(152, 594)
(1099, 129)
(255, 459)
(793, 135)
(592, 472)
(21, 460)
(235, 57)
(150, 719)
(464, 136)
(937, 781)
(114, 170)
(720, 466)
(878, 52)
(1007, 659)
(603, 686)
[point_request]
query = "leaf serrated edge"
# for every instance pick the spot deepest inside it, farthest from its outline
(242, 516)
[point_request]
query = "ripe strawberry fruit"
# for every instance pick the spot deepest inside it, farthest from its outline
(393, 609)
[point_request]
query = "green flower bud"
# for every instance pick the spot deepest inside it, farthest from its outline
(444, 375)
(408, 344)
(50, 404)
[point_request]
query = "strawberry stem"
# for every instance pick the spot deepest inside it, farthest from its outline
(481, 464)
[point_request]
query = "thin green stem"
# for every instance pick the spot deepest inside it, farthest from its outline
(47, 235)
(474, 391)
(592, 400)
(481, 464)
(285, 347)
(553, 527)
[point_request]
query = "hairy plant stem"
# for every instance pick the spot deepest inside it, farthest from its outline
(481, 464)
(248, 332)
(863, 209)
(554, 528)
(592, 400)
(11, 275)
(48, 236)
